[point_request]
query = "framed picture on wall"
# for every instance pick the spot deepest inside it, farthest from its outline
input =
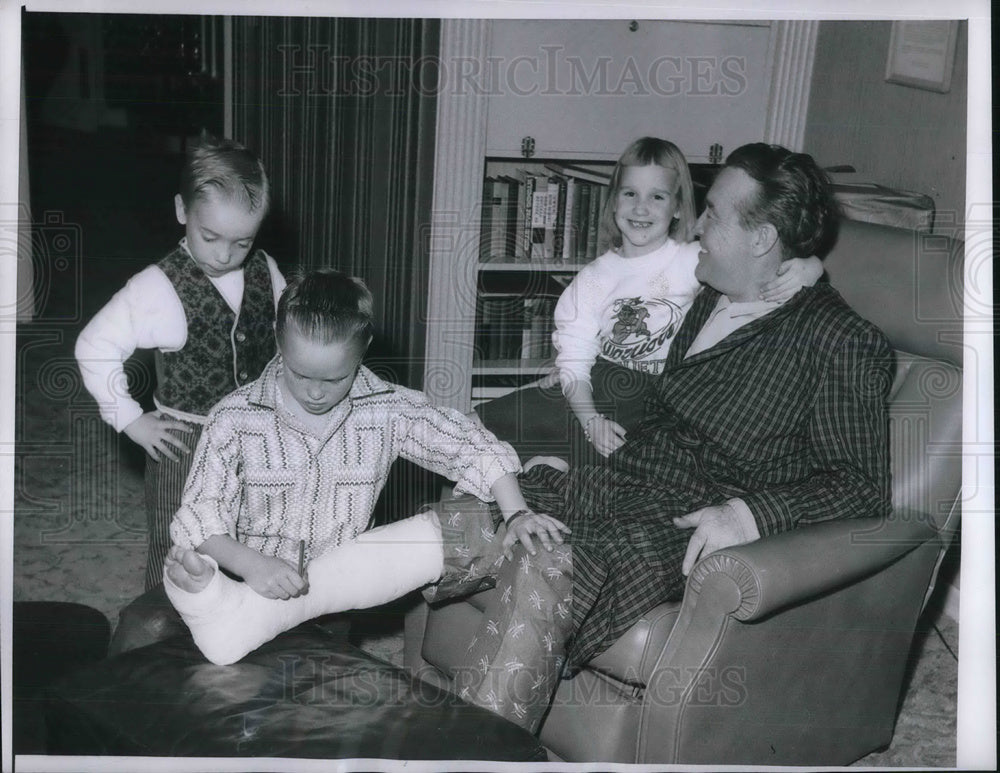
(922, 54)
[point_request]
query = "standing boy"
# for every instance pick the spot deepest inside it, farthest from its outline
(207, 309)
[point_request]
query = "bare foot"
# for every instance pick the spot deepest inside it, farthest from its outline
(187, 570)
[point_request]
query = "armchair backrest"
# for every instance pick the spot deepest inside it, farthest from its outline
(910, 284)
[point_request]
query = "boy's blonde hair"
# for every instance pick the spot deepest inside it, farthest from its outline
(643, 152)
(327, 306)
(226, 167)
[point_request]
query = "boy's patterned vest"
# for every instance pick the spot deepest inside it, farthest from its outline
(223, 350)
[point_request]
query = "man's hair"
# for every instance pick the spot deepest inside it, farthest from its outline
(643, 152)
(326, 305)
(793, 194)
(227, 168)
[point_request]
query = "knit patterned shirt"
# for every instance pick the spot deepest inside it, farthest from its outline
(262, 477)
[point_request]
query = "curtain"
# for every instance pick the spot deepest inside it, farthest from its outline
(342, 112)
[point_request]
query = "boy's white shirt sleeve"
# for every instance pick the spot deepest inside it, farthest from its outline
(145, 314)
(578, 318)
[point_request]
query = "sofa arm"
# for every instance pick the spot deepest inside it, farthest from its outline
(787, 568)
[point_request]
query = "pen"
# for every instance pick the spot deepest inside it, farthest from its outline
(302, 555)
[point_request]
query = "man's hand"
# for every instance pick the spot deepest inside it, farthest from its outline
(547, 529)
(155, 433)
(715, 528)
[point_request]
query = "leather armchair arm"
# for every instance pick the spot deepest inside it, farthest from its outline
(791, 567)
(785, 617)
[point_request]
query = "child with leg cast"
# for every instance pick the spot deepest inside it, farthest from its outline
(301, 455)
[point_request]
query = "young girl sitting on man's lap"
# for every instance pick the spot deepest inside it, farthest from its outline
(615, 321)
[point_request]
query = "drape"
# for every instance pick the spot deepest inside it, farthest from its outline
(342, 112)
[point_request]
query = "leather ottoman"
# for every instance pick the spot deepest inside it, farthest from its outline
(51, 639)
(305, 694)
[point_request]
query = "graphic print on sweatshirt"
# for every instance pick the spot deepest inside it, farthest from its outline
(640, 332)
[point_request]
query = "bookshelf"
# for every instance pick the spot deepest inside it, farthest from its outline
(539, 225)
(589, 87)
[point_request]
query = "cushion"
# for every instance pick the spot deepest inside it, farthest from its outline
(51, 639)
(304, 694)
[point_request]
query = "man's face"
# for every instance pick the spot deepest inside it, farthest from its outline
(725, 261)
(318, 375)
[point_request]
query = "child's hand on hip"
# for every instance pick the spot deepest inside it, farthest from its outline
(154, 432)
(275, 578)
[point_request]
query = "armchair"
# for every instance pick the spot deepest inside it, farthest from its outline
(791, 649)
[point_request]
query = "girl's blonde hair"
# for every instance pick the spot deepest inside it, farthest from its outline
(643, 152)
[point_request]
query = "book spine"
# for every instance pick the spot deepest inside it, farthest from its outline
(551, 210)
(486, 220)
(538, 218)
(498, 220)
(582, 221)
(602, 241)
(513, 211)
(569, 234)
(526, 215)
(559, 235)
(593, 220)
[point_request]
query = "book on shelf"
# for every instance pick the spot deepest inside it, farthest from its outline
(559, 227)
(501, 195)
(527, 212)
(547, 213)
(593, 222)
(605, 193)
(513, 328)
(543, 217)
(536, 341)
(514, 244)
(570, 218)
(499, 327)
(583, 215)
(487, 212)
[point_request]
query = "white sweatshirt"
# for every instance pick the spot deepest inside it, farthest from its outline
(625, 310)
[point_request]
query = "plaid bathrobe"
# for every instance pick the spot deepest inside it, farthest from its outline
(788, 413)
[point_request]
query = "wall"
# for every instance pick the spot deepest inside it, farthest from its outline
(898, 136)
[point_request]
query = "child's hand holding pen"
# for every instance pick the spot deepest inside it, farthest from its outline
(276, 578)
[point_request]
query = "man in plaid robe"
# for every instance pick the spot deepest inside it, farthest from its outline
(767, 416)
